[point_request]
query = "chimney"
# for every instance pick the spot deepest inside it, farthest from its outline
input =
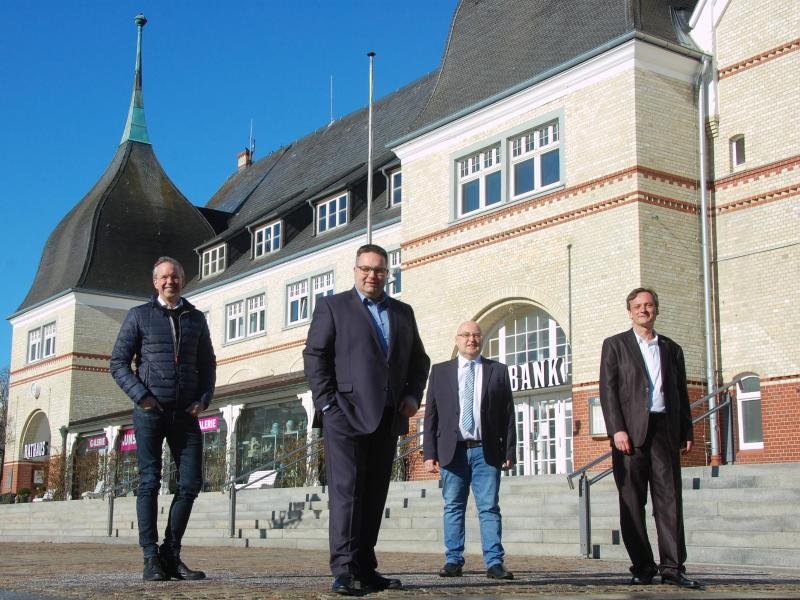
(245, 159)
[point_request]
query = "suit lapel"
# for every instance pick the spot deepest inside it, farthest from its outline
(633, 348)
(364, 312)
(393, 326)
(488, 371)
(451, 376)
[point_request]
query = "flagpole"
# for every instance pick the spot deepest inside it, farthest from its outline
(371, 56)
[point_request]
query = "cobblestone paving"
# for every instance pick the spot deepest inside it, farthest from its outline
(39, 571)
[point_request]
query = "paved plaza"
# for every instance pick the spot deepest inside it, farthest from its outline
(42, 571)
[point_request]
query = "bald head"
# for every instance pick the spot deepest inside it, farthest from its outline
(468, 339)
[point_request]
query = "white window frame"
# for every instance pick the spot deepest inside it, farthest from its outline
(256, 315)
(477, 166)
(531, 146)
(297, 292)
(395, 188)
(597, 423)
(394, 282)
(234, 321)
(341, 214)
(738, 150)
(321, 286)
(741, 398)
(267, 239)
(49, 340)
(213, 261)
(35, 345)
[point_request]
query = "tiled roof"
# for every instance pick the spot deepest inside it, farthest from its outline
(495, 45)
(329, 160)
(108, 242)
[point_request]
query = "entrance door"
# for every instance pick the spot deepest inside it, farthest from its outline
(544, 435)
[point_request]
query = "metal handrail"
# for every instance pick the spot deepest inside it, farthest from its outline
(585, 482)
(697, 419)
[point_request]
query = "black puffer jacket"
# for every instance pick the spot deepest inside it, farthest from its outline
(174, 378)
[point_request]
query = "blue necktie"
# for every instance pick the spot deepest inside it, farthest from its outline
(467, 398)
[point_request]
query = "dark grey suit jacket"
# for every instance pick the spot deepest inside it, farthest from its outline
(345, 364)
(443, 412)
(625, 388)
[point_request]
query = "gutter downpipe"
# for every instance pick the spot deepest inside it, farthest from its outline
(715, 458)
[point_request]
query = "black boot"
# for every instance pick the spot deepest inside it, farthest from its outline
(153, 571)
(175, 568)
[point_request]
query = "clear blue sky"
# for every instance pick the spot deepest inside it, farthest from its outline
(66, 73)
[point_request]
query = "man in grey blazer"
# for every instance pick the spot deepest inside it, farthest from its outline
(366, 366)
(646, 408)
(470, 433)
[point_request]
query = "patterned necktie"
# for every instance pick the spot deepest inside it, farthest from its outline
(467, 398)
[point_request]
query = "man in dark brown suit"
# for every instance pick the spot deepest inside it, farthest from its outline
(646, 408)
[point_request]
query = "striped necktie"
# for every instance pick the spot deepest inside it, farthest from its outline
(467, 398)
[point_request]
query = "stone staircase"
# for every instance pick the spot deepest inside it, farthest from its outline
(738, 514)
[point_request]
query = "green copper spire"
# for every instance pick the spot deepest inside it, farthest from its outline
(136, 128)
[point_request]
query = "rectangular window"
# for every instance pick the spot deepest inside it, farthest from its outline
(322, 285)
(535, 161)
(256, 315)
(597, 424)
(479, 180)
(267, 239)
(235, 321)
(213, 261)
(396, 179)
(49, 334)
(737, 150)
(332, 213)
(394, 283)
(297, 302)
(34, 345)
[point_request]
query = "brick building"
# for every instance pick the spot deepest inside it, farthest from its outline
(558, 158)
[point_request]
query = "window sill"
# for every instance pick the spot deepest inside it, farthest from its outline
(500, 206)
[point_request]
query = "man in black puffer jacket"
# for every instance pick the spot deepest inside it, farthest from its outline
(173, 382)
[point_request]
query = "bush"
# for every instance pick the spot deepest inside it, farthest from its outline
(24, 492)
(7, 498)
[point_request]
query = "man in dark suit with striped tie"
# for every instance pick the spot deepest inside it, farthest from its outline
(470, 434)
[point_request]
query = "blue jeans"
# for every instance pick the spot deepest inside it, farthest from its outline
(468, 468)
(185, 441)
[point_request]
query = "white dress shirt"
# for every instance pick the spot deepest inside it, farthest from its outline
(463, 367)
(652, 360)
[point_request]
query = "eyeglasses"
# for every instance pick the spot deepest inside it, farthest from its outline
(474, 336)
(378, 271)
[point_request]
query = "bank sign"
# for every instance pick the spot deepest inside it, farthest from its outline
(535, 375)
(35, 450)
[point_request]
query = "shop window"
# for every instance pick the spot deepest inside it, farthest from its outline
(267, 433)
(748, 400)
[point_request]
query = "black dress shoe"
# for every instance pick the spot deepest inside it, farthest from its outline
(641, 580)
(680, 580)
(450, 570)
(153, 571)
(175, 568)
(376, 582)
(346, 585)
(498, 571)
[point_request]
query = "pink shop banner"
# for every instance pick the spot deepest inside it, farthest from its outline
(209, 423)
(128, 442)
